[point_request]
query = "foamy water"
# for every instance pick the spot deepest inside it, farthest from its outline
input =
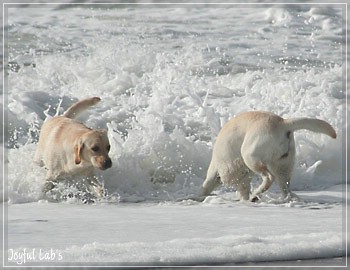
(169, 78)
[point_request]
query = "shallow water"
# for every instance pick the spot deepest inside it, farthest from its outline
(216, 232)
(169, 78)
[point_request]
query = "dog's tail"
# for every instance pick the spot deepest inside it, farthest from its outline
(311, 124)
(80, 106)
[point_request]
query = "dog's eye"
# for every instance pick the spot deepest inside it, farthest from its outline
(95, 148)
(108, 148)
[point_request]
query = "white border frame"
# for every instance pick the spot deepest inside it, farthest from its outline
(4, 202)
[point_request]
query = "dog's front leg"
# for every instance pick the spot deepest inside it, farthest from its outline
(49, 185)
(51, 181)
(96, 186)
(99, 188)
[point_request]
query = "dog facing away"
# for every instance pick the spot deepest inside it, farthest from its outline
(66, 147)
(257, 143)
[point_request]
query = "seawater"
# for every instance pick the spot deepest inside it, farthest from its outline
(169, 78)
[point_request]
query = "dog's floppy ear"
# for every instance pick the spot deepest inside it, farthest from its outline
(78, 147)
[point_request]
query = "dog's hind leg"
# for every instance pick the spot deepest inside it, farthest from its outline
(241, 177)
(283, 177)
(282, 171)
(211, 182)
(265, 185)
(238, 175)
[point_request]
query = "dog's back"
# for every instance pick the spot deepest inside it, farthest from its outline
(59, 129)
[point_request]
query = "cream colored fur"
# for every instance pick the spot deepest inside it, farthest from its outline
(67, 147)
(257, 143)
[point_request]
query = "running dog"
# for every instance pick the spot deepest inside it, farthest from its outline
(260, 143)
(66, 147)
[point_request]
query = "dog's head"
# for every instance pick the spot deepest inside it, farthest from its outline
(93, 147)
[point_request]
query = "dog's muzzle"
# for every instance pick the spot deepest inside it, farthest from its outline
(106, 164)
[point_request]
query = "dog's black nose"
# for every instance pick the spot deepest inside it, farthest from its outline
(107, 163)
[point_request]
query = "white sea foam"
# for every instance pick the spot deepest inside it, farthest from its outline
(169, 78)
(164, 102)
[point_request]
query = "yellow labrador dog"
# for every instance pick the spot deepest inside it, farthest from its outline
(69, 148)
(260, 143)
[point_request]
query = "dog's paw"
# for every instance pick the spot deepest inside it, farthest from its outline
(255, 199)
(292, 197)
(100, 191)
(49, 185)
